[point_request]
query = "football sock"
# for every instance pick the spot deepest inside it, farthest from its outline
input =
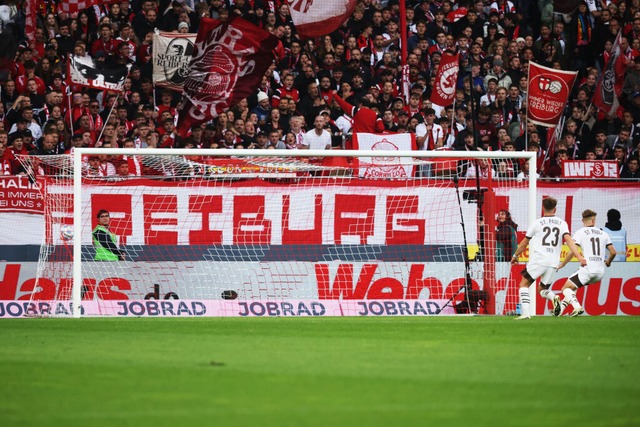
(524, 301)
(546, 293)
(570, 298)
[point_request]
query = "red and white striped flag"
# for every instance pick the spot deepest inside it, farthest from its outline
(30, 10)
(73, 6)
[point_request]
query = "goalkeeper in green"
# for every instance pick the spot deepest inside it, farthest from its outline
(104, 240)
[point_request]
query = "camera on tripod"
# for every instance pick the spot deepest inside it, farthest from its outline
(473, 301)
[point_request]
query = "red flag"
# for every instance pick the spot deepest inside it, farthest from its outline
(609, 86)
(444, 88)
(30, 12)
(74, 6)
(314, 18)
(229, 60)
(549, 91)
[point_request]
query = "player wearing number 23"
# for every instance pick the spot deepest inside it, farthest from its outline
(546, 235)
(594, 243)
(104, 240)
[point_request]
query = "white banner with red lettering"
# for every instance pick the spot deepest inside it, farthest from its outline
(384, 166)
(174, 213)
(590, 169)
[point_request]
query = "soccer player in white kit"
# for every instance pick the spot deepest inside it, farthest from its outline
(594, 242)
(546, 235)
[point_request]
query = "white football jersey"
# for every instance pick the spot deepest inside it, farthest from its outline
(546, 235)
(593, 242)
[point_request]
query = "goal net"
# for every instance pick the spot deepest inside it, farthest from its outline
(268, 232)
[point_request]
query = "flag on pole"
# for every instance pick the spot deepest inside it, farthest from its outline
(609, 86)
(229, 60)
(549, 91)
(444, 88)
(171, 56)
(85, 72)
(314, 18)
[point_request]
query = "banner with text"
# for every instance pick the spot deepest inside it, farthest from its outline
(171, 56)
(549, 90)
(590, 169)
(416, 284)
(146, 212)
(384, 166)
(19, 194)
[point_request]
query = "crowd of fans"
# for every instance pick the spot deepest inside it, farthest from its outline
(326, 88)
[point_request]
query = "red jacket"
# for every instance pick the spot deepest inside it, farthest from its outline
(364, 119)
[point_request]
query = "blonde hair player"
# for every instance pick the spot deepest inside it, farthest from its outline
(594, 242)
(546, 235)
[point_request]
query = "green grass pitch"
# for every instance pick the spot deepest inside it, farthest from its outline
(440, 371)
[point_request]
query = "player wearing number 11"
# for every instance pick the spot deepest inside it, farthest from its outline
(593, 242)
(546, 235)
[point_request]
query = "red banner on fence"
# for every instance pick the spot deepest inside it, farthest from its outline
(549, 90)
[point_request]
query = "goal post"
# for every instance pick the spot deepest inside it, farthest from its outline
(258, 232)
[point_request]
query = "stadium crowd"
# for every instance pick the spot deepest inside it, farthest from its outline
(307, 99)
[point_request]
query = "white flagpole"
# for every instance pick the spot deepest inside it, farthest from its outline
(108, 116)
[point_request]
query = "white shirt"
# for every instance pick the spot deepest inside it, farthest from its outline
(36, 132)
(546, 235)
(436, 132)
(344, 123)
(482, 173)
(315, 141)
(593, 242)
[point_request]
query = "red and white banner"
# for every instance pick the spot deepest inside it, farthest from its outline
(19, 194)
(30, 19)
(590, 169)
(85, 72)
(314, 18)
(74, 6)
(549, 90)
(229, 60)
(444, 89)
(169, 213)
(609, 86)
(171, 56)
(384, 166)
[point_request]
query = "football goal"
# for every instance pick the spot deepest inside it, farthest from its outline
(190, 232)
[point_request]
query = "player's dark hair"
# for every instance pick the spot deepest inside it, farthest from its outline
(588, 214)
(549, 203)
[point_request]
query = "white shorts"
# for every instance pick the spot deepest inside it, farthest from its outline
(582, 277)
(545, 273)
